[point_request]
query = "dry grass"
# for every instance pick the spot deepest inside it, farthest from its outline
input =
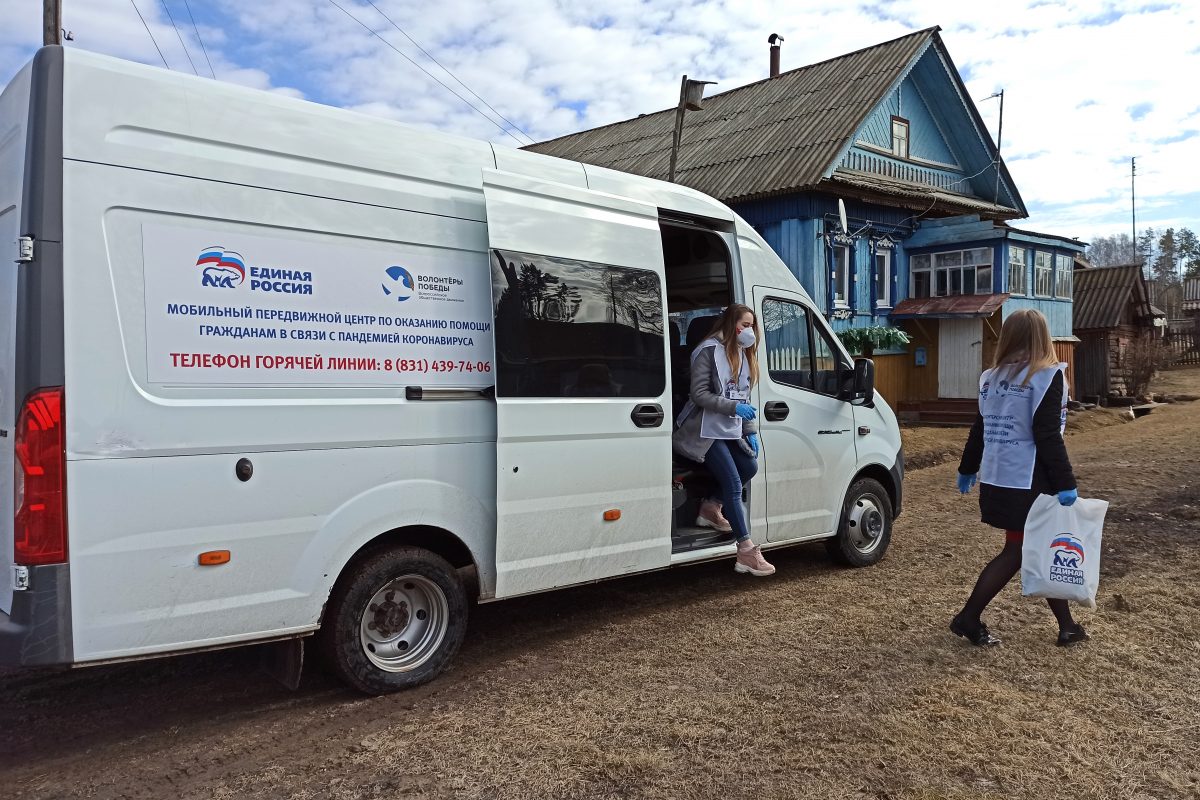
(698, 683)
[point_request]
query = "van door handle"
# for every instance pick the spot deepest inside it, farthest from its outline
(776, 410)
(647, 415)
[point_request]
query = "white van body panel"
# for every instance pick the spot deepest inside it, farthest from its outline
(14, 121)
(335, 466)
(182, 124)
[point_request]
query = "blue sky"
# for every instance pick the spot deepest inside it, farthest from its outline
(1087, 84)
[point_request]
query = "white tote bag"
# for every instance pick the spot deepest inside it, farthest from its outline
(1061, 555)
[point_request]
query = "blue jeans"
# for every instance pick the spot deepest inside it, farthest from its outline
(732, 467)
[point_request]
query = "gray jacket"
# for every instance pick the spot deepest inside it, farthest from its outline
(686, 439)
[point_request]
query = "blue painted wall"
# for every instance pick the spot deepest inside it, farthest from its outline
(925, 137)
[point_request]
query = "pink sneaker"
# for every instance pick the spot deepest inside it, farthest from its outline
(750, 559)
(711, 517)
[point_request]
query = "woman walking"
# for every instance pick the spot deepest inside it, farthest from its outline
(717, 427)
(1016, 452)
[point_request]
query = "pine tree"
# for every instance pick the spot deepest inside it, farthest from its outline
(1188, 245)
(1164, 269)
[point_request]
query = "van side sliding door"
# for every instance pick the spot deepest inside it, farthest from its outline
(583, 446)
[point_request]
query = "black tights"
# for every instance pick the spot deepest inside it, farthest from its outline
(995, 576)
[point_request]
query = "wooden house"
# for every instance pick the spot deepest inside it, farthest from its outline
(892, 132)
(1112, 310)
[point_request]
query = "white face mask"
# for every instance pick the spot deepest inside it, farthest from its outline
(745, 338)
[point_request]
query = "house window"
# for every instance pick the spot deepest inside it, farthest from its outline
(1018, 271)
(952, 273)
(1063, 277)
(883, 278)
(981, 259)
(918, 267)
(1043, 274)
(843, 270)
(899, 137)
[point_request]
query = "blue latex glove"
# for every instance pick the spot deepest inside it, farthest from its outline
(1067, 497)
(753, 440)
(745, 411)
(965, 482)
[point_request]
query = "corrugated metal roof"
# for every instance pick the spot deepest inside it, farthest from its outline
(777, 135)
(1191, 294)
(962, 305)
(1102, 294)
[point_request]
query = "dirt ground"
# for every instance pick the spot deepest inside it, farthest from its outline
(698, 683)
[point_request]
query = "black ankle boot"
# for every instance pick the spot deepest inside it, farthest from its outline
(978, 635)
(1069, 636)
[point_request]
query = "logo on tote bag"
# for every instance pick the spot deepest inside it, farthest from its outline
(1066, 566)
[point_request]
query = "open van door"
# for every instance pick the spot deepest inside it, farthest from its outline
(583, 444)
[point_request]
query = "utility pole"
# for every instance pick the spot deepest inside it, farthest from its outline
(999, 139)
(1133, 200)
(691, 98)
(51, 21)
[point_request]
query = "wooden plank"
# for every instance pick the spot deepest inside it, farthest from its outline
(891, 377)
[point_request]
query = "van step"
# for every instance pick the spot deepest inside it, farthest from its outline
(685, 540)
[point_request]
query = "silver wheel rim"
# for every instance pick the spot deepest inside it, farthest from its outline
(404, 623)
(865, 524)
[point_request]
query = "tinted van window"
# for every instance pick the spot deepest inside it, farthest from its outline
(568, 328)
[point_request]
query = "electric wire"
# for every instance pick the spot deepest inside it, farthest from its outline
(448, 72)
(152, 39)
(188, 6)
(180, 35)
(472, 106)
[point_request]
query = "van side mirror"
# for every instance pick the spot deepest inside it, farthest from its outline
(859, 388)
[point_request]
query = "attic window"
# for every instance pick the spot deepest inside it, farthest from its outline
(900, 137)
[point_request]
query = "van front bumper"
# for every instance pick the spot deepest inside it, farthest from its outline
(37, 631)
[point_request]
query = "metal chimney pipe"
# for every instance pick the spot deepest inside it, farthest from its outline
(774, 40)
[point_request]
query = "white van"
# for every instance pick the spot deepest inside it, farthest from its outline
(270, 369)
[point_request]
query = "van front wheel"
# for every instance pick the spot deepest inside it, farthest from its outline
(395, 621)
(866, 525)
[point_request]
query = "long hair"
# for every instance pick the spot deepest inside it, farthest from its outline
(725, 331)
(1025, 343)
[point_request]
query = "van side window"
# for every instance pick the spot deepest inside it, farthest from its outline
(569, 328)
(788, 343)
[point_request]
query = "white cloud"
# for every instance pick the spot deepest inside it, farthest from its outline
(1071, 71)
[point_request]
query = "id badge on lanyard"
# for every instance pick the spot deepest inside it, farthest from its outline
(735, 394)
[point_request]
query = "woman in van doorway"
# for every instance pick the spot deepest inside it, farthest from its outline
(1016, 452)
(717, 426)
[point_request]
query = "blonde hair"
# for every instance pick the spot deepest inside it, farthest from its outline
(1025, 343)
(726, 332)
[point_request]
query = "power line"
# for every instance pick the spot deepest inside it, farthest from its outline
(448, 72)
(188, 6)
(180, 35)
(156, 47)
(427, 72)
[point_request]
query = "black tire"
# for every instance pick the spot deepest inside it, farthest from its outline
(865, 529)
(420, 597)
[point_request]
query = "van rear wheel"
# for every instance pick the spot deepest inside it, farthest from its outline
(394, 621)
(865, 529)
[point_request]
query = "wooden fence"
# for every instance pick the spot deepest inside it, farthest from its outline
(1184, 346)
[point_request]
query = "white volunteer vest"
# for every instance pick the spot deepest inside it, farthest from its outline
(715, 425)
(1009, 451)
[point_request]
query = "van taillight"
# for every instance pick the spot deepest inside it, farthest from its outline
(40, 532)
